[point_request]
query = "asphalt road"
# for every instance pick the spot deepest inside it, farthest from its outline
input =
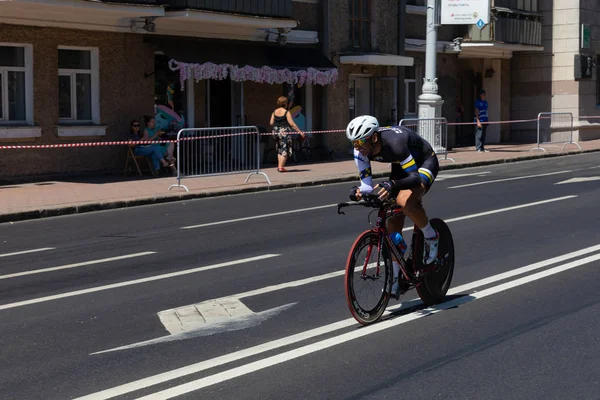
(80, 297)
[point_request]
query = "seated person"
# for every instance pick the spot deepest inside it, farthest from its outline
(153, 133)
(153, 151)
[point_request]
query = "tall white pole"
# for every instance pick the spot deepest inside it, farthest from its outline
(430, 102)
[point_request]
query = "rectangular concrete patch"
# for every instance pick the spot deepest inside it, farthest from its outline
(190, 317)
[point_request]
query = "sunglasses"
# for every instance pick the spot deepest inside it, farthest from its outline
(136, 125)
(359, 143)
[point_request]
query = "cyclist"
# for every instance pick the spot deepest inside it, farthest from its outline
(414, 168)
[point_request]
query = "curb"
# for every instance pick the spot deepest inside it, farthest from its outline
(85, 208)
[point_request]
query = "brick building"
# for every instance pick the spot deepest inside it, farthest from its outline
(77, 70)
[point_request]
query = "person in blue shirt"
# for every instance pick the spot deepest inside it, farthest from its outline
(481, 115)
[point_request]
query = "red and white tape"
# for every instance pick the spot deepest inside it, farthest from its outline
(516, 121)
(217, 135)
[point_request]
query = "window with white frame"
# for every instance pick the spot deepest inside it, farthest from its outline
(78, 97)
(410, 91)
(13, 86)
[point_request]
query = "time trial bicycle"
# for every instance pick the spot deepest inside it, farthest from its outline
(369, 274)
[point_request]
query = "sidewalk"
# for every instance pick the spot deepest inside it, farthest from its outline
(51, 198)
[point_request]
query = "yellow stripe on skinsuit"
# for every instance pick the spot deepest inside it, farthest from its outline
(422, 171)
(408, 164)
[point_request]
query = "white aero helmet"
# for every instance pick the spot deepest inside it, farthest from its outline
(361, 127)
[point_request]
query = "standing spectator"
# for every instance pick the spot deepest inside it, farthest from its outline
(282, 123)
(481, 115)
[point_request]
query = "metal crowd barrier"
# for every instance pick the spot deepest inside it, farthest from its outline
(218, 151)
(555, 128)
(434, 130)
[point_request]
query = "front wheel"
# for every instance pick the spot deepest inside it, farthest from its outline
(368, 278)
(435, 284)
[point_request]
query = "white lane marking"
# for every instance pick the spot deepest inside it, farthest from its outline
(80, 264)
(299, 337)
(582, 179)
(356, 334)
(18, 253)
(229, 221)
(134, 282)
(282, 213)
(509, 179)
(443, 177)
(258, 216)
(500, 210)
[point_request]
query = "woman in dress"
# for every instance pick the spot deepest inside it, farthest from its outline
(282, 123)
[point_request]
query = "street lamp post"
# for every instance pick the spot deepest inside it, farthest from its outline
(430, 102)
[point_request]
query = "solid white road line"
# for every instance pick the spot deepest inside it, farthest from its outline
(332, 205)
(480, 282)
(299, 337)
(81, 264)
(18, 253)
(500, 210)
(134, 282)
(443, 177)
(508, 179)
(229, 221)
(356, 334)
(258, 216)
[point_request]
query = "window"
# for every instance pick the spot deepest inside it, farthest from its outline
(360, 23)
(410, 91)
(78, 97)
(13, 88)
(527, 5)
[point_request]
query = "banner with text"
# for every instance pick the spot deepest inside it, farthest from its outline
(465, 12)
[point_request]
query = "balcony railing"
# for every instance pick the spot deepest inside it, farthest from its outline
(261, 8)
(508, 30)
(137, 2)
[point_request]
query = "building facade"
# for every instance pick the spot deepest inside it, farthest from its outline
(528, 59)
(563, 77)
(78, 70)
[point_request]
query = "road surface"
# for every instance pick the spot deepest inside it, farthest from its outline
(242, 297)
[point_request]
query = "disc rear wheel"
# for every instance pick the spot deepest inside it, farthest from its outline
(435, 284)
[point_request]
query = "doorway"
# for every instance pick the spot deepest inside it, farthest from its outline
(467, 87)
(359, 96)
(220, 102)
(386, 100)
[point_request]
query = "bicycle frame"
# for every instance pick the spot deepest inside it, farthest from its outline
(384, 212)
(380, 229)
